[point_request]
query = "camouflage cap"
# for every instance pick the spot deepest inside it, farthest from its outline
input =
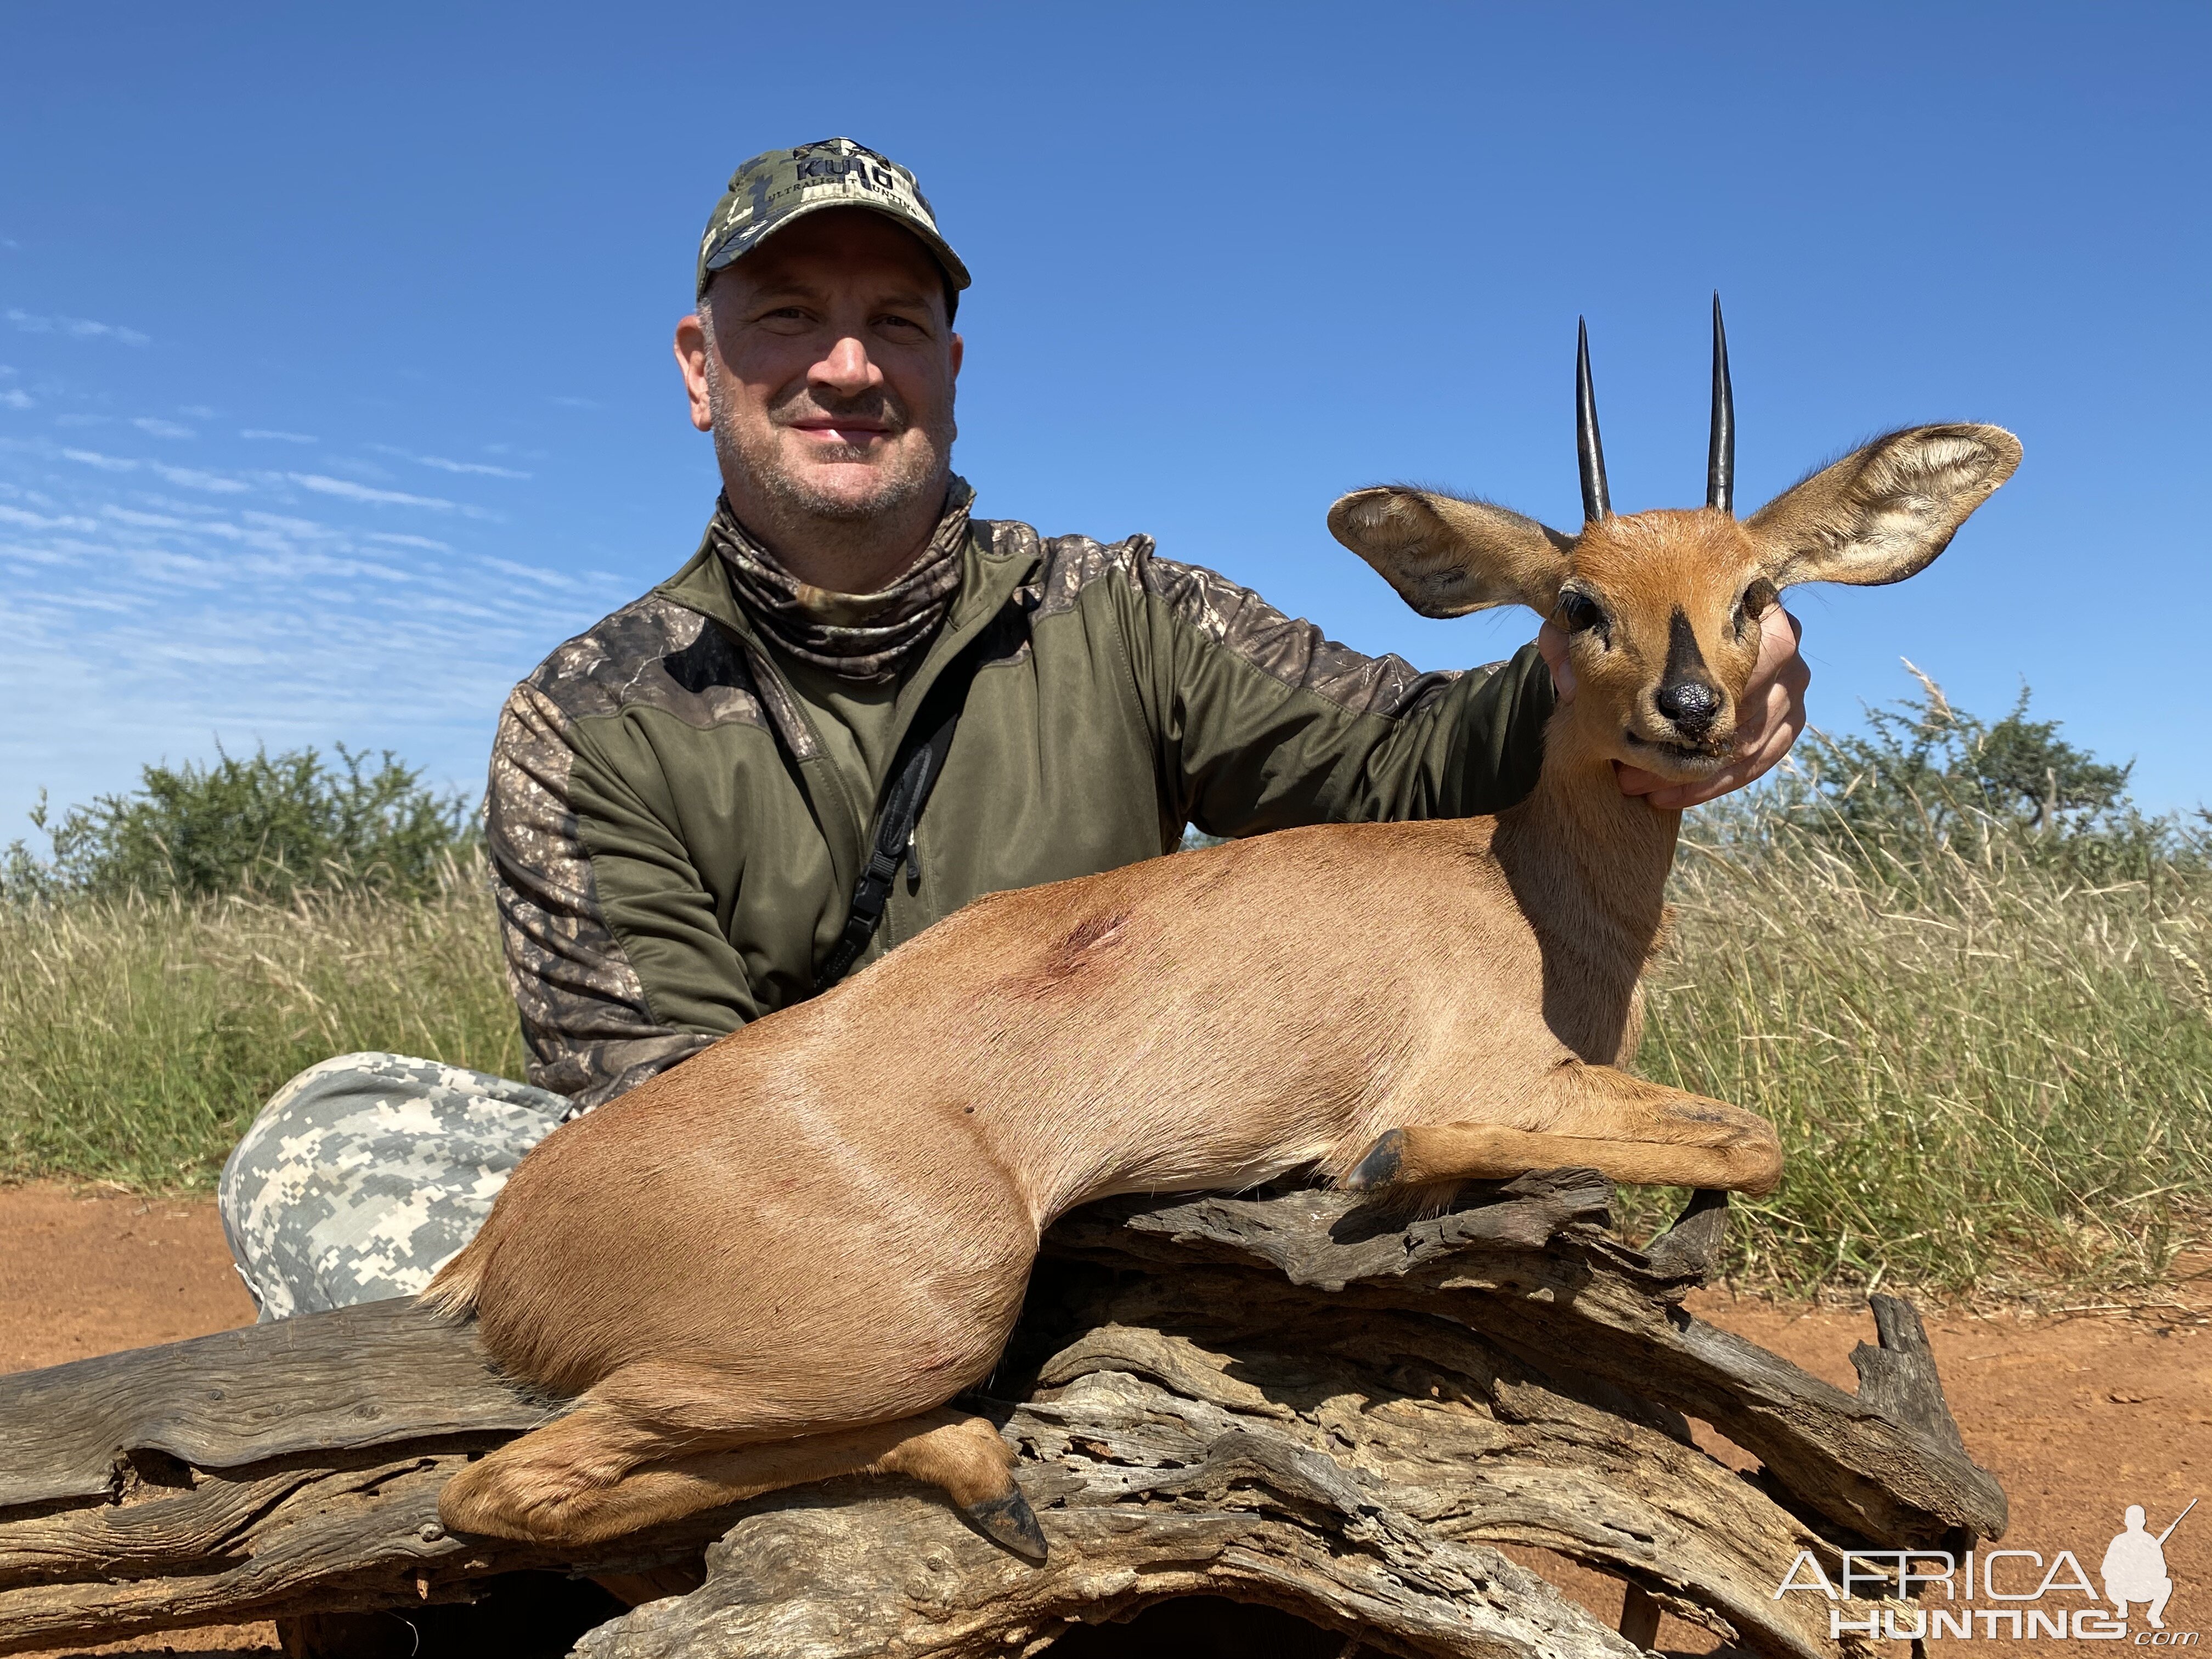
(775, 188)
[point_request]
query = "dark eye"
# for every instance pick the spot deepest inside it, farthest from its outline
(1578, 611)
(1755, 602)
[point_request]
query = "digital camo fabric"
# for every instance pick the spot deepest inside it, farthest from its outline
(367, 1172)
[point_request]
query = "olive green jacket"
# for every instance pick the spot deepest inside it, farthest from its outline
(673, 856)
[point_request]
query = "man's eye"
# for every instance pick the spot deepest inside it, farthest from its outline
(1578, 611)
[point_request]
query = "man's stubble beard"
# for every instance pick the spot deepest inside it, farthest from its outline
(799, 506)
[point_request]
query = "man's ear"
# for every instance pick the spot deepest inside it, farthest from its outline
(692, 346)
(1884, 512)
(1446, 557)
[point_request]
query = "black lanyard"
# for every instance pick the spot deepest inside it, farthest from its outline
(920, 759)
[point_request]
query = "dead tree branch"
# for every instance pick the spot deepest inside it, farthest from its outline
(1281, 1398)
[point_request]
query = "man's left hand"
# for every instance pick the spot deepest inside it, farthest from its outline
(1773, 713)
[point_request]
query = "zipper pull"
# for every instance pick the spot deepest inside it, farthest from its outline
(913, 859)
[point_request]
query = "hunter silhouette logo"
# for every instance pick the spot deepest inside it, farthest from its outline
(2134, 1567)
(1916, 1595)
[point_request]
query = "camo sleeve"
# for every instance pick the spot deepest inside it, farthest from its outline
(590, 1031)
(1263, 722)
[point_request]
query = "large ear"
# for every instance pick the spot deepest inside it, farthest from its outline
(1446, 557)
(1884, 512)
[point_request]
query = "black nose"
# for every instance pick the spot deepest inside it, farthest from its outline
(1690, 704)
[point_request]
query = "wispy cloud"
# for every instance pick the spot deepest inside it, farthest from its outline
(574, 402)
(192, 477)
(354, 466)
(150, 607)
(105, 463)
(16, 397)
(482, 468)
(533, 573)
(290, 525)
(23, 520)
(179, 504)
(346, 489)
(145, 520)
(82, 328)
(486, 469)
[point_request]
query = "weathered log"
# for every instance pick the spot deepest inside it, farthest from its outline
(335, 1382)
(1284, 1399)
(1898, 1378)
(136, 1502)
(1249, 1519)
(1691, 1247)
(1588, 1304)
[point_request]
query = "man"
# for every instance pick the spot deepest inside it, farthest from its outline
(682, 800)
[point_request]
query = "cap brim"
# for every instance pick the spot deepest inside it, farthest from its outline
(737, 248)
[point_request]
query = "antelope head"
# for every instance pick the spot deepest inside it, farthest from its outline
(1662, 608)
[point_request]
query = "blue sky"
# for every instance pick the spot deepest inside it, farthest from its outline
(335, 386)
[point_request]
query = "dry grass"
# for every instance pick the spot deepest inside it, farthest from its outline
(139, 1037)
(1987, 1076)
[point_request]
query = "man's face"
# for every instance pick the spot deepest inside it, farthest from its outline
(827, 378)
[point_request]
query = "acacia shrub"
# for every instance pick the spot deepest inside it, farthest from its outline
(267, 824)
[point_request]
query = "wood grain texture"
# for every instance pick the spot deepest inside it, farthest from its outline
(358, 1377)
(1898, 1378)
(1283, 1397)
(1589, 1303)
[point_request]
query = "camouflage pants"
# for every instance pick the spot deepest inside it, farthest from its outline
(366, 1173)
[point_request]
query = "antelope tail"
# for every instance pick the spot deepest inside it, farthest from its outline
(452, 1294)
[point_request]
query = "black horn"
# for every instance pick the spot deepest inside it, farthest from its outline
(1720, 458)
(1588, 450)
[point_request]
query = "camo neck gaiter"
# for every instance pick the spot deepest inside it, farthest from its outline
(867, 637)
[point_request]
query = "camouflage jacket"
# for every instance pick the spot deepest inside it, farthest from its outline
(671, 861)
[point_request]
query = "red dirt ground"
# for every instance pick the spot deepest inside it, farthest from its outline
(2079, 1416)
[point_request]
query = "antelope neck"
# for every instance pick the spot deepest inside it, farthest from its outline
(1588, 863)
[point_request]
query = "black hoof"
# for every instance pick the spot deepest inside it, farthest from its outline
(1010, 1523)
(1380, 1165)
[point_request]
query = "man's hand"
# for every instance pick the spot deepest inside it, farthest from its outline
(1773, 712)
